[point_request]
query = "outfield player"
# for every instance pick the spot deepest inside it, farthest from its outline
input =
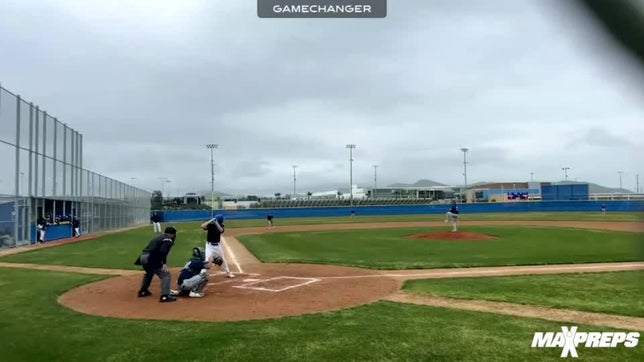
(452, 215)
(214, 228)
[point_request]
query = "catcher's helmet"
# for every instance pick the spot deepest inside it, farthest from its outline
(199, 253)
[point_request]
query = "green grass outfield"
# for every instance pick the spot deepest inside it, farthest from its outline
(370, 248)
(497, 216)
(613, 293)
(36, 328)
(389, 249)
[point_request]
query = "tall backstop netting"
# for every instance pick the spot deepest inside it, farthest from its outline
(42, 175)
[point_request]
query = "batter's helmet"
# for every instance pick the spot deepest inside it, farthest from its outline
(219, 218)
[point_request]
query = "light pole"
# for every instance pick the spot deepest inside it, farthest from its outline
(531, 174)
(637, 183)
(212, 147)
(163, 179)
(565, 170)
(464, 150)
(375, 180)
(294, 181)
(620, 179)
(351, 147)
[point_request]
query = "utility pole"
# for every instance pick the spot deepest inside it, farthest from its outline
(620, 179)
(375, 180)
(464, 150)
(531, 174)
(351, 147)
(212, 147)
(637, 183)
(294, 181)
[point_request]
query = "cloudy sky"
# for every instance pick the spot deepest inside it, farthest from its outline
(525, 85)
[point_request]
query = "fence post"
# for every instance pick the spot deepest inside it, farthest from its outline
(29, 205)
(16, 206)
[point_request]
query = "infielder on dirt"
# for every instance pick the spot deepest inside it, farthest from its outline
(452, 215)
(214, 228)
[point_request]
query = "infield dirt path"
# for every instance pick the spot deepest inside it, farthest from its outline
(268, 290)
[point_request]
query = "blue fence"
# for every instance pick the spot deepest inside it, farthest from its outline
(54, 232)
(543, 206)
(565, 192)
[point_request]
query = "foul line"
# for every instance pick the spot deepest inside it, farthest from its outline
(503, 271)
(232, 254)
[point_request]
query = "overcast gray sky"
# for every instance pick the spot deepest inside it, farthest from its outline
(525, 85)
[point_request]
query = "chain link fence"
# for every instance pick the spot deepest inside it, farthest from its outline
(42, 176)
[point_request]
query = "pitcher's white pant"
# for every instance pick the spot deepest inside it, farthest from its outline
(157, 227)
(449, 216)
(217, 249)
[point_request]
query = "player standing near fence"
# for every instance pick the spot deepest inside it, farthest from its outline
(76, 227)
(156, 222)
(41, 225)
(214, 228)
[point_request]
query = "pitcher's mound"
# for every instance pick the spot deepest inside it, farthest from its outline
(449, 235)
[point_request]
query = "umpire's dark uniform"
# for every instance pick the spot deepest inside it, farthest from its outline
(152, 259)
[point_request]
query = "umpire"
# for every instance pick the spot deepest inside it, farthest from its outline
(153, 259)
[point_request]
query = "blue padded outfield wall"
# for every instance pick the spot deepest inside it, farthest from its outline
(565, 192)
(527, 206)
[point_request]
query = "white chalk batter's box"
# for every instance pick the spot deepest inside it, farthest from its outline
(276, 284)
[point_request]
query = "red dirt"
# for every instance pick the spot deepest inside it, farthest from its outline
(448, 235)
(225, 301)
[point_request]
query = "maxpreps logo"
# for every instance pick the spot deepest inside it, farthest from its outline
(569, 340)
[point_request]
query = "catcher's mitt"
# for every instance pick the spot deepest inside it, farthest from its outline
(217, 259)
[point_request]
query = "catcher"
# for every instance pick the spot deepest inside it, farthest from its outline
(193, 278)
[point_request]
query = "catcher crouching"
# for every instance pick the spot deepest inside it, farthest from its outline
(193, 278)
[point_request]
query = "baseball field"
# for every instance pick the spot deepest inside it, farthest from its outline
(381, 288)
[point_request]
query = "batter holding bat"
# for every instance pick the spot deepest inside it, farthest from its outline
(214, 228)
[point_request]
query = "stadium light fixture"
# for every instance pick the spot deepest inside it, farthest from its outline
(565, 170)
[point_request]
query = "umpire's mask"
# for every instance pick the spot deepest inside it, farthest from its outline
(199, 253)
